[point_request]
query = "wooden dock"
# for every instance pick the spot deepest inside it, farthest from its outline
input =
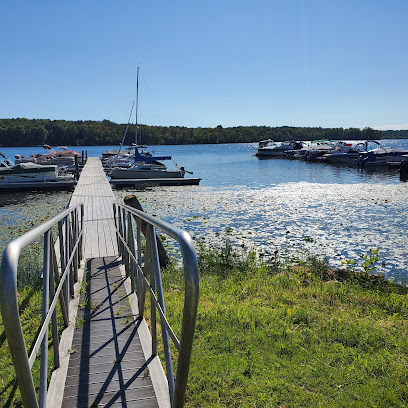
(110, 359)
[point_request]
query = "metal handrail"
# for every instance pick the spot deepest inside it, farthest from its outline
(57, 282)
(131, 252)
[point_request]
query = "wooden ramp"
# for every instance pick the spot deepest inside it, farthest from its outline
(107, 364)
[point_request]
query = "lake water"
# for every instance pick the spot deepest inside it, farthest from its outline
(291, 206)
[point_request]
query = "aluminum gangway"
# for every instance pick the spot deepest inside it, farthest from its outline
(100, 268)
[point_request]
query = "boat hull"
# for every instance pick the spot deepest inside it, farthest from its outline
(272, 152)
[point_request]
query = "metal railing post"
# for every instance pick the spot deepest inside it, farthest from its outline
(72, 240)
(131, 245)
(81, 253)
(64, 309)
(55, 340)
(45, 308)
(141, 285)
(120, 247)
(150, 272)
(155, 271)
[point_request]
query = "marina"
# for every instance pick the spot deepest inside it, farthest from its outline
(336, 211)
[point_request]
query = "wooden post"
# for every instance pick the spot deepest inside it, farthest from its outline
(132, 201)
(76, 168)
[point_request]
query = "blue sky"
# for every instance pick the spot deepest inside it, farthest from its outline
(207, 63)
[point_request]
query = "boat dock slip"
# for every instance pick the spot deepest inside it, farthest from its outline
(121, 183)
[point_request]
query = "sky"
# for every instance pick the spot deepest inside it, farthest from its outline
(207, 63)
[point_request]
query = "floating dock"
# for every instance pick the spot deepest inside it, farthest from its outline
(39, 185)
(121, 183)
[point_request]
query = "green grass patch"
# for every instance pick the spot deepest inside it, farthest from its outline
(296, 336)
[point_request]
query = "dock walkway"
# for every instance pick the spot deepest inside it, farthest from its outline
(107, 364)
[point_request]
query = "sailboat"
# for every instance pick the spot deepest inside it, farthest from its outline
(144, 165)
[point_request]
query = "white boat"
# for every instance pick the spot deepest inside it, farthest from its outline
(11, 173)
(382, 156)
(312, 150)
(62, 158)
(346, 152)
(277, 149)
(154, 170)
(118, 158)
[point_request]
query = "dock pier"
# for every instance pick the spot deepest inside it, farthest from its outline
(107, 355)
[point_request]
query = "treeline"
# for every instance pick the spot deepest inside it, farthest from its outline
(34, 132)
(395, 134)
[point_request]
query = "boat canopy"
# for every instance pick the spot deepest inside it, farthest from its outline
(29, 168)
(148, 159)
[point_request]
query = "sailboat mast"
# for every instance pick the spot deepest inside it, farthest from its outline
(137, 102)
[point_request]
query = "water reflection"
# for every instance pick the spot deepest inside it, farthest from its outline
(335, 220)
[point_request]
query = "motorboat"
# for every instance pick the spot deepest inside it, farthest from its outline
(154, 170)
(312, 150)
(382, 156)
(147, 167)
(30, 172)
(346, 152)
(118, 159)
(122, 158)
(62, 158)
(277, 149)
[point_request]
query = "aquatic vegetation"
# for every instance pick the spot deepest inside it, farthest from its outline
(340, 220)
(19, 214)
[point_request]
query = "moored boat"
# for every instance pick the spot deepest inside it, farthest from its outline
(312, 150)
(154, 170)
(383, 156)
(271, 148)
(347, 152)
(11, 173)
(147, 166)
(62, 158)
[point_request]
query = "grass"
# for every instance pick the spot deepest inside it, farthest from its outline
(30, 315)
(273, 334)
(298, 335)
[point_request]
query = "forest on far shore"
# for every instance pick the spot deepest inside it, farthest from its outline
(34, 132)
